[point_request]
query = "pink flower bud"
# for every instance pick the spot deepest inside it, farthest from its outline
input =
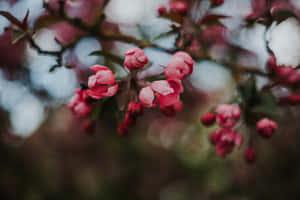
(102, 84)
(162, 10)
(287, 75)
(79, 105)
(146, 97)
(266, 127)
(208, 119)
(135, 109)
(225, 140)
(179, 7)
(227, 115)
(180, 66)
(167, 91)
(250, 154)
(135, 58)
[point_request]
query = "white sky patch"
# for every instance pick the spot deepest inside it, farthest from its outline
(60, 84)
(27, 115)
(236, 9)
(49, 36)
(84, 47)
(284, 41)
(296, 3)
(132, 11)
(20, 8)
(209, 77)
(3, 21)
(253, 39)
(26, 111)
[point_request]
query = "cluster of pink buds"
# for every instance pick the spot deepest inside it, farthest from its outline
(100, 85)
(284, 74)
(227, 138)
(166, 93)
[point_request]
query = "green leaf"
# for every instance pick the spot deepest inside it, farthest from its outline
(108, 55)
(166, 34)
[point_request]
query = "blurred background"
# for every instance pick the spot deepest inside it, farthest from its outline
(46, 154)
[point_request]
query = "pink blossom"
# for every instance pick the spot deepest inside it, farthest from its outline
(102, 84)
(135, 58)
(146, 97)
(266, 127)
(79, 105)
(225, 140)
(167, 92)
(180, 66)
(227, 115)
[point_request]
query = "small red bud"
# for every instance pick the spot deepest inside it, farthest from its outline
(208, 119)
(250, 154)
(266, 127)
(162, 10)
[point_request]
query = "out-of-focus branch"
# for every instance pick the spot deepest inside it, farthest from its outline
(116, 36)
